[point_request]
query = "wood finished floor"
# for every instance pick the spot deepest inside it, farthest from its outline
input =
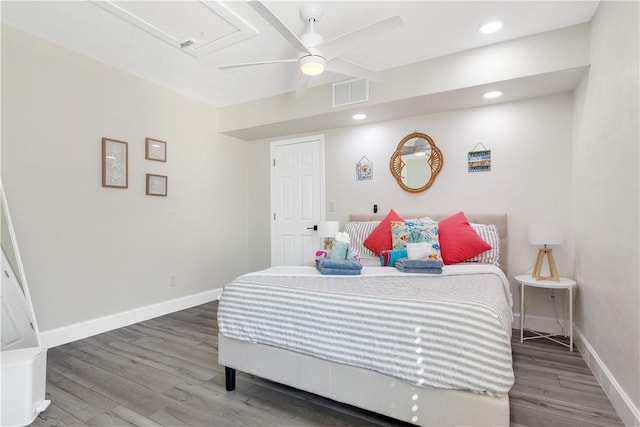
(164, 372)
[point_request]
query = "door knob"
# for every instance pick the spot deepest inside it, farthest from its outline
(314, 228)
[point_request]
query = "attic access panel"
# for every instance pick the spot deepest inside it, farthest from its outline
(195, 27)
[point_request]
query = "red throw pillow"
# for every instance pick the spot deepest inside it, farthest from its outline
(380, 238)
(458, 241)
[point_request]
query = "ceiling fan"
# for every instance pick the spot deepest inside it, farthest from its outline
(314, 54)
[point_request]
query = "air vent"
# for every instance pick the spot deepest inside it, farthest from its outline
(350, 92)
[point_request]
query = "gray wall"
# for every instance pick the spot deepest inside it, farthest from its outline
(90, 251)
(606, 188)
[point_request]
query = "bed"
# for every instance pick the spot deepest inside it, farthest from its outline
(425, 349)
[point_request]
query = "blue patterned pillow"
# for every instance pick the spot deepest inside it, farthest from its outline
(416, 232)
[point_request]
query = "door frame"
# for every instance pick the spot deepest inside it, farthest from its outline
(272, 149)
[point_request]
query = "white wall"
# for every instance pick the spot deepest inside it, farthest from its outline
(606, 189)
(530, 177)
(90, 251)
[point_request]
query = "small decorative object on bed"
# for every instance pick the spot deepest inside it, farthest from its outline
(156, 185)
(412, 346)
(115, 163)
(155, 150)
(416, 162)
(341, 246)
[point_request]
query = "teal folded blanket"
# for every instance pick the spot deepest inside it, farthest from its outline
(425, 265)
(339, 271)
(421, 270)
(339, 267)
(343, 264)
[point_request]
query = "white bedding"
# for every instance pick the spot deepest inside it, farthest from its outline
(449, 331)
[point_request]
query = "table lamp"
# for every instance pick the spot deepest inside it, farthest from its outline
(545, 234)
(327, 230)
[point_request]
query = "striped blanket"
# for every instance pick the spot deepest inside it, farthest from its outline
(450, 331)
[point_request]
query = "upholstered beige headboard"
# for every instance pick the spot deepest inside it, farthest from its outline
(499, 220)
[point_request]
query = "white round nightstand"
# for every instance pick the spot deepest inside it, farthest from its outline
(568, 285)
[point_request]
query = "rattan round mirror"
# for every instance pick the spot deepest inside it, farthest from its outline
(416, 162)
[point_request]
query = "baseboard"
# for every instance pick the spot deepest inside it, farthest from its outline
(624, 406)
(78, 331)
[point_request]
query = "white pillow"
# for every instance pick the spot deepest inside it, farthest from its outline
(418, 250)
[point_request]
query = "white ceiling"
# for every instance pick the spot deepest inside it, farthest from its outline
(432, 29)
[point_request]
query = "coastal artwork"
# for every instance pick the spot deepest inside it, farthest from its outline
(479, 161)
(364, 169)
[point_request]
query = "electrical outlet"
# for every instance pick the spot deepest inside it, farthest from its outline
(551, 294)
(172, 281)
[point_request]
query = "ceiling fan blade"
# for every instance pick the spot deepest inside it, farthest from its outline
(279, 26)
(342, 66)
(251, 64)
(353, 39)
(303, 84)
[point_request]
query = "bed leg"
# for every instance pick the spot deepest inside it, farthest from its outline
(230, 378)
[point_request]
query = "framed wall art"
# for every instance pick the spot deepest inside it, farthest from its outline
(115, 163)
(364, 169)
(156, 185)
(479, 161)
(155, 150)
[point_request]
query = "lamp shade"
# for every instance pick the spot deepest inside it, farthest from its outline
(545, 233)
(328, 228)
(312, 65)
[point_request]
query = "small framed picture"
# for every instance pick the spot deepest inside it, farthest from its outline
(479, 161)
(115, 163)
(156, 185)
(155, 150)
(364, 169)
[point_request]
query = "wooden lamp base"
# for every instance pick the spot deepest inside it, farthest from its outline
(327, 243)
(537, 269)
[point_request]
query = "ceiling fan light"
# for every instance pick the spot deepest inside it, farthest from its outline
(312, 65)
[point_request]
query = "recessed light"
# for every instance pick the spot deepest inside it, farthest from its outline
(491, 27)
(492, 94)
(359, 116)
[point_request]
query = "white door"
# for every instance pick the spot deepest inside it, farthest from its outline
(297, 199)
(17, 328)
